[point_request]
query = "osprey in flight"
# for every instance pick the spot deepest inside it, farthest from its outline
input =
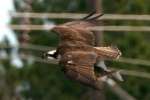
(77, 52)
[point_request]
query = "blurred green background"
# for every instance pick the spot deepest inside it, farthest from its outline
(46, 81)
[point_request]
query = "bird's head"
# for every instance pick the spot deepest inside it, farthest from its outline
(65, 32)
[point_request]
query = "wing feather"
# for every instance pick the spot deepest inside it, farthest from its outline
(91, 14)
(78, 65)
(88, 21)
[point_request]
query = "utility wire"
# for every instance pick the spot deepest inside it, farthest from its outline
(136, 73)
(96, 28)
(79, 15)
(134, 61)
(31, 47)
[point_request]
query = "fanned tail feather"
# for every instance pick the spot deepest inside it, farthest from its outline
(108, 52)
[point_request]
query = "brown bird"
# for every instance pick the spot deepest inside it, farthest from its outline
(77, 52)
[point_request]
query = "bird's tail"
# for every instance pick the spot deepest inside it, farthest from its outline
(107, 52)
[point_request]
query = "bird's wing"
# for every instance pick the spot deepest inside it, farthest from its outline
(78, 30)
(82, 25)
(75, 34)
(88, 36)
(79, 66)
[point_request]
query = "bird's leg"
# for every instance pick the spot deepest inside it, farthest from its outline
(102, 65)
(108, 72)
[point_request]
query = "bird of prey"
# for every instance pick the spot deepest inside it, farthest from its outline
(77, 52)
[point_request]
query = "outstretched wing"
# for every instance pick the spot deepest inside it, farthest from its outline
(78, 65)
(78, 30)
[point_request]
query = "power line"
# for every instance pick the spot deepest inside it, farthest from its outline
(40, 59)
(136, 73)
(134, 61)
(96, 28)
(79, 15)
(122, 28)
(31, 47)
